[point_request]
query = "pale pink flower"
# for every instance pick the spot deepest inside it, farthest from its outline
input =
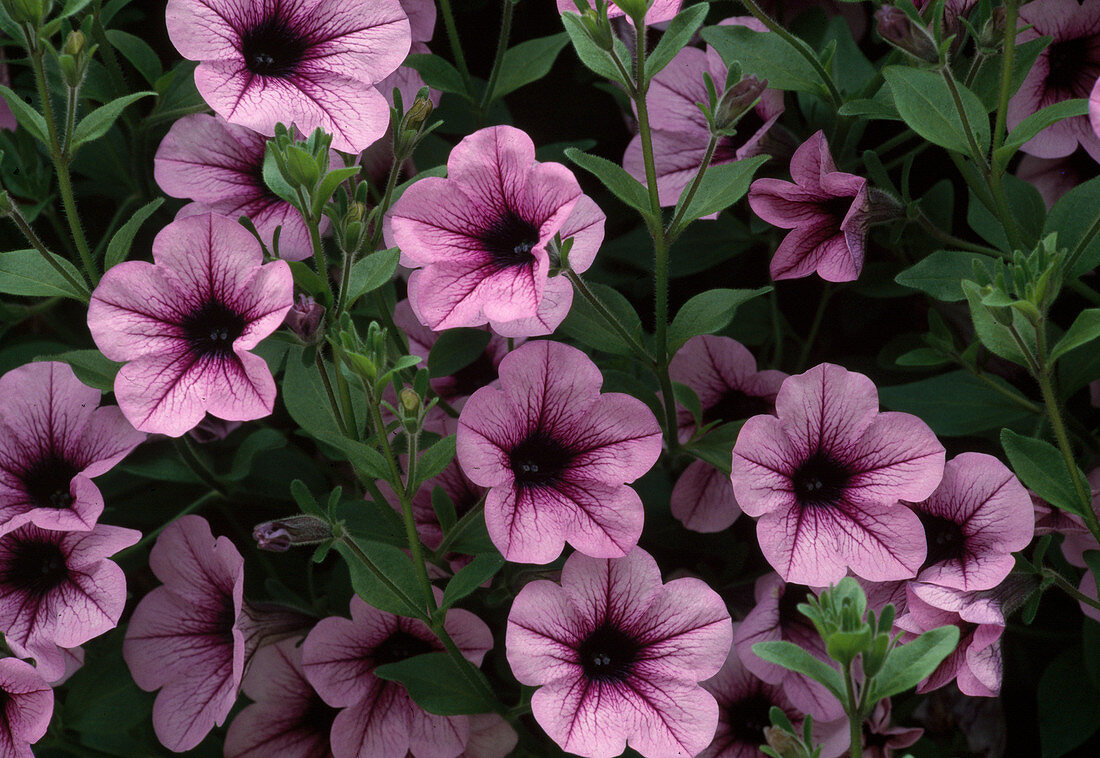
(659, 11)
(28, 706)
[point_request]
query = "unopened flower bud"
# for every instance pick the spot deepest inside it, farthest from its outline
(599, 30)
(418, 113)
(356, 212)
(280, 535)
(896, 28)
(28, 11)
(737, 101)
(74, 43)
(782, 742)
(304, 317)
(410, 401)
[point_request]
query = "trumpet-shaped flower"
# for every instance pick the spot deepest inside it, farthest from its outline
(311, 63)
(28, 706)
(617, 656)
(185, 323)
(826, 476)
(556, 455)
(53, 439)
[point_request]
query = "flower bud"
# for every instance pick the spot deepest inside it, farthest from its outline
(417, 114)
(783, 742)
(737, 101)
(28, 11)
(280, 535)
(74, 43)
(304, 317)
(896, 28)
(598, 29)
(212, 429)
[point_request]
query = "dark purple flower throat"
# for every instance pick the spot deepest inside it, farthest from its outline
(608, 654)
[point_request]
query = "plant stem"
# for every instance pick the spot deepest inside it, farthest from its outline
(855, 716)
(374, 569)
(975, 152)
(318, 247)
(1012, 8)
(672, 231)
(950, 239)
(345, 398)
(612, 321)
(1069, 589)
(333, 405)
(460, 527)
(456, 46)
(502, 46)
(800, 46)
(36, 241)
(804, 355)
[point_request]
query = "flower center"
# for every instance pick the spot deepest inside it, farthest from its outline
(272, 47)
(539, 460)
(35, 567)
(820, 480)
(510, 240)
(735, 405)
(946, 540)
(47, 481)
(748, 717)
(608, 654)
(399, 646)
(1067, 59)
(212, 328)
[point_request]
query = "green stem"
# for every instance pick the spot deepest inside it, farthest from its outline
(460, 527)
(927, 224)
(456, 46)
(672, 231)
(975, 152)
(1079, 248)
(502, 47)
(855, 716)
(973, 180)
(345, 398)
(318, 247)
(801, 47)
(209, 497)
(1005, 92)
(1084, 291)
(1069, 589)
(334, 406)
(36, 241)
(374, 569)
(819, 314)
(612, 321)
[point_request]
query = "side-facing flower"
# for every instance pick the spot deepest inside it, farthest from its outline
(723, 374)
(378, 719)
(185, 323)
(28, 706)
(617, 656)
(58, 590)
(220, 166)
(53, 439)
(826, 476)
(659, 11)
(827, 209)
(481, 237)
(556, 455)
(310, 63)
(977, 517)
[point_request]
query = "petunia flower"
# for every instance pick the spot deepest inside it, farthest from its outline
(185, 323)
(881, 738)
(828, 211)
(556, 455)
(287, 717)
(1056, 176)
(978, 516)
(825, 479)
(617, 656)
(53, 439)
(220, 166)
(58, 590)
(7, 118)
(723, 374)
(1067, 68)
(481, 237)
(311, 63)
(681, 133)
(659, 11)
(1094, 108)
(490, 737)
(28, 707)
(1078, 539)
(378, 719)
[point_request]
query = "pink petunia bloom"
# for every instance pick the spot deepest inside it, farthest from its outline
(828, 211)
(1057, 176)
(378, 719)
(58, 590)
(1094, 107)
(490, 737)
(825, 479)
(723, 374)
(881, 738)
(220, 166)
(617, 656)
(1068, 68)
(978, 516)
(311, 63)
(556, 455)
(28, 706)
(659, 11)
(185, 323)
(481, 237)
(680, 131)
(53, 439)
(1078, 538)
(287, 718)
(975, 664)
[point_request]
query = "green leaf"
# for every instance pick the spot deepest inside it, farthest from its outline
(436, 683)
(90, 366)
(925, 103)
(528, 62)
(587, 326)
(722, 186)
(941, 273)
(1069, 704)
(922, 356)
(361, 455)
(767, 55)
(323, 193)
(994, 335)
(614, 177)
(596, 59)
(707, 313)
(908, 664)
(119, 248)
(437, 72)
(26, 115)
(678, 33)
(392, 585)
(1072, 217)
(259, 441)
(444, 509)
(1024, 203)
(26, 273)
(1042, 468)
(883, 110)
(957, 403)
(1085, 328)
(1037, 122)
(436, 458)
(138, 52)
(483, 568)
(372, 272)
(455, 350)
(305, 397)
(790, 656)
(987, 84)
(95, 124)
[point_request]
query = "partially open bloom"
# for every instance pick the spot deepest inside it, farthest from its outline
(828, 211)
(617, 656)
(186, 322)
(825, 479)
(482, 237)
(220, 166)
(53, 439)
(311, 63)
(556, 455)
(723, 374)
(378, 719)
(1068, 68)
(58, 590)
(28, 706)
(977, 517)
(659, 11)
